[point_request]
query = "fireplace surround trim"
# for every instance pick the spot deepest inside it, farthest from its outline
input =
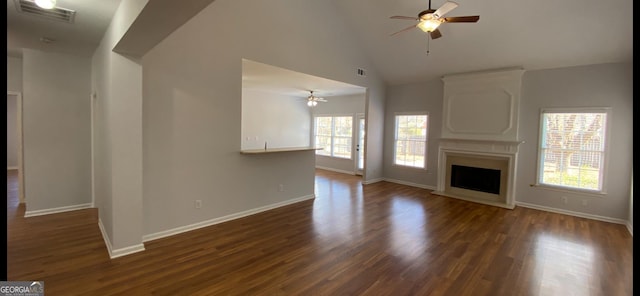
(504, 150)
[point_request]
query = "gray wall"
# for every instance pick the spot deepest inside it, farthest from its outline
(14, 74)
(348, 105)
(192, 107)
(280, 121)
(602, 85)
(425, 96)
(605, 85)
(14, 84)
(117, 136)
(56, 129)
(12, 132)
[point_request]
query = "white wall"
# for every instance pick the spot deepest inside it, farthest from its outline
(347, 105)
(281, 121)
(605, 85)
(12, 132)
(56, 130)
(14, 74)
(427, 97)
(192, 107)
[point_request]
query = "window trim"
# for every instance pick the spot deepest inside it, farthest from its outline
(333, 116)
(605, 157)
(426, 141)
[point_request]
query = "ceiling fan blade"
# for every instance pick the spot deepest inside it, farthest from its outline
(435, 34)
(405, 29)
(462, 19)
(400, 17)
(445, 8)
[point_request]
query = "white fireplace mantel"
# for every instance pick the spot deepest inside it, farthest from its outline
(480, 129)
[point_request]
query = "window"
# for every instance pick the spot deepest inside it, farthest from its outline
(334, 135)
(572, 148)
(410, 146)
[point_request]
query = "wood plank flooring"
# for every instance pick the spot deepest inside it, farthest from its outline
(377, 239)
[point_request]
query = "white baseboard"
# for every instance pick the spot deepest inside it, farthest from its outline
(410, 184)
(630, 228)
(12, 168)
(367, 182)
(572, 213)
(177, 230)
(335, 170)
(56, 210)
(118, 252)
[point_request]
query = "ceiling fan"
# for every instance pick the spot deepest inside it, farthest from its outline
(313, 100)
(429, 20)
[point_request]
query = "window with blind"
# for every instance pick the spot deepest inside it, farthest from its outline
(572, 150)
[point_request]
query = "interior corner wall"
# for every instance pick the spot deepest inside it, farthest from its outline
(56, 130)
(117, 84)
(192, 108)
(374, 135)
(602, 85)
(424, 96)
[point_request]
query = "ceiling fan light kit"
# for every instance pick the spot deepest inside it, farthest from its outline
(429, 20)
(312, 100)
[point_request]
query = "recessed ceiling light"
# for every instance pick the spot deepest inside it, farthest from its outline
(46, 4)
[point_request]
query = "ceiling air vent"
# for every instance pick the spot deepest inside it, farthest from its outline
(57, 13)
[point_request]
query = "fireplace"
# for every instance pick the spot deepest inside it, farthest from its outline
(478, 150)
(473, 178)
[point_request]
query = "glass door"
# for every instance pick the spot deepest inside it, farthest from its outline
(360, 145)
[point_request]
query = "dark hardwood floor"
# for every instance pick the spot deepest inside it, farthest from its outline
(377, 239)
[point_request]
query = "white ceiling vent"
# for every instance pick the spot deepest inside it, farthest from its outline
(57, 13)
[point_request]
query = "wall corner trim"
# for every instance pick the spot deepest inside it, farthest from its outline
(118, 252)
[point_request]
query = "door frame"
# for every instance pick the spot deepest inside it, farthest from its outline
(18, 96)
(356, 170)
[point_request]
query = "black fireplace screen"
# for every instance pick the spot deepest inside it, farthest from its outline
(472, 178)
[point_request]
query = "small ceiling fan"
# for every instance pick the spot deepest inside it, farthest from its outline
(429, 20)
(312, 100)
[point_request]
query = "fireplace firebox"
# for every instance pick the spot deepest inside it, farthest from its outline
(473, 178)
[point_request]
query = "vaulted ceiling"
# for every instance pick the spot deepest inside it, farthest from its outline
(529, 34)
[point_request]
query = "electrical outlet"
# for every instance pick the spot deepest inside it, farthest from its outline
(198, 204)
(280, 187)
(564, 199)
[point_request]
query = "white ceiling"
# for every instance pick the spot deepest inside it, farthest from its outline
(82, 37)
(267, 78)
(510, 33)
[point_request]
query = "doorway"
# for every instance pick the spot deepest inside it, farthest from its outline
(14, 139)
(360, 144)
